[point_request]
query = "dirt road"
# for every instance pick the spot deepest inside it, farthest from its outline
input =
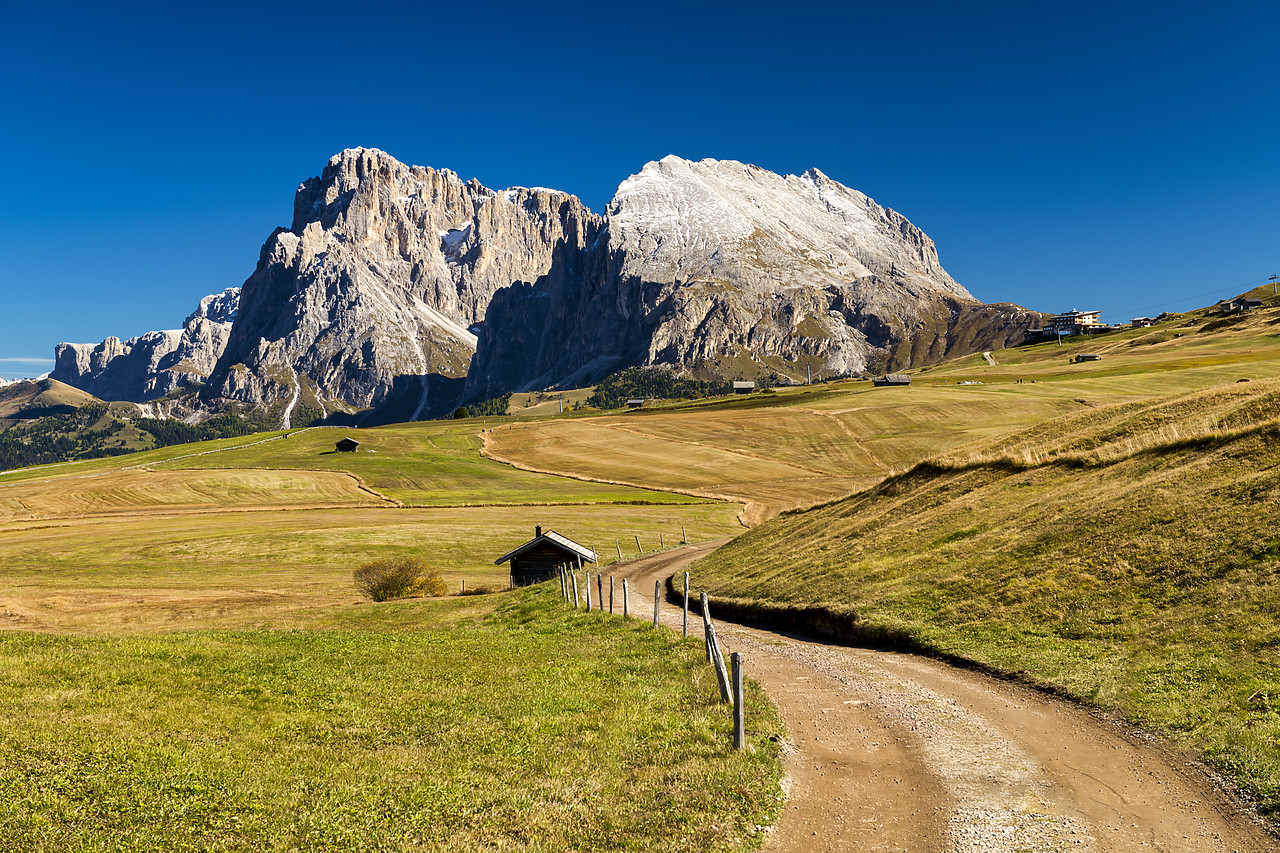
(891, 752)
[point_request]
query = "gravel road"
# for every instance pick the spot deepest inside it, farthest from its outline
(894, 752)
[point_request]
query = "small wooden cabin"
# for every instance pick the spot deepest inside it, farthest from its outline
(540, 558)
(1087, 356)
(635, 404)
(891, 379)
(743, 387)
(1235, 306)
(347, 445)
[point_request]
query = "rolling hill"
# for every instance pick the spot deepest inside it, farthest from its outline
(1103, 529)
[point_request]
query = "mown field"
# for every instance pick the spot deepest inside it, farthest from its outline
(1127, 555)
(237, 568)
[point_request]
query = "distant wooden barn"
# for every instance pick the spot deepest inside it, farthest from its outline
(540, 558)
(892, 379)
(347, 445)
(743, 387)
(1235, 306)
(635, 404)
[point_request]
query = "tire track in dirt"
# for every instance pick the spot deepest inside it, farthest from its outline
(894, 752)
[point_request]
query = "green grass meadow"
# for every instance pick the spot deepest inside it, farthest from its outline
(436, 463)
(494, 722)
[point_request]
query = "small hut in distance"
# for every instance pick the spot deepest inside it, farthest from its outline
(541, 557)
(347, 445)
(891, 379)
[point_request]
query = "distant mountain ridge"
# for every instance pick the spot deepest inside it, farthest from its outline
(153, 364)
(407, 290)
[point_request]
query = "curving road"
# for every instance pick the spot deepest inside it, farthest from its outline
(892, 752)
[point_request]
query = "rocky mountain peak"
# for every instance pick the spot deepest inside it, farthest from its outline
(216, 308)
(718, 266)
(394, 285)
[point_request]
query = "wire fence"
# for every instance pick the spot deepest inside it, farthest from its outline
(729, 679)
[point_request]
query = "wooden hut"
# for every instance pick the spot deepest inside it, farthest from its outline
(538, 559)
(347, 445)
(743, 387)
(637, 403)
(891, 379)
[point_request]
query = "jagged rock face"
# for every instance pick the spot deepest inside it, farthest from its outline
(153, 364)
(715, 258)
(375, 288)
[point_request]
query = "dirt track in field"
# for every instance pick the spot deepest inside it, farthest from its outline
(894, 752)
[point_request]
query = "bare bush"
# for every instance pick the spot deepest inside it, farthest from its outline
(398, 577)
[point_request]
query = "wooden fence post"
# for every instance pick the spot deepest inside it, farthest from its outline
(600, 590)
(739, 715)
(661, 545)
(564, 583)
(638, 548)
(713, 649)
(686, 604)
(575, 590)
(588, 576)
(618, 545)
(657, 585)
(684, 537)
(610, 595)
(626, 599)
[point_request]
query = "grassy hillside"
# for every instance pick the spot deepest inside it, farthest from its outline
(808, 445)
(33, 398)
(189, 662)
(1128, 555)
(243, 569)
(435, 463)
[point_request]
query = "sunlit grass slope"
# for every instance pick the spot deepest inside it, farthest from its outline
(800, 446)
(427, 464)
(1129, 555)
(507, 722)
(157, 570)
(436, 463)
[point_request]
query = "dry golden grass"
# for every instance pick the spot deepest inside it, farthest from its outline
(547, 402)
(287, 568)
(609, 450)
(128, 491)
(1127, 555)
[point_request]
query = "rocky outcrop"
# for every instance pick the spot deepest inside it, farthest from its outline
(373, 295)
(153, 364)
(722, 267)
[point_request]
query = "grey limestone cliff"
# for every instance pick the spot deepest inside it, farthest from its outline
(722, 267)
(372, 295)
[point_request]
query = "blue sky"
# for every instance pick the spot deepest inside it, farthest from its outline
(1114, 156)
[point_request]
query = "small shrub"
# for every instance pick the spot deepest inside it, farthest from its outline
(398, 577)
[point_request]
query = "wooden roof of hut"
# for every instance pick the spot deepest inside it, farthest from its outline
(553, 540)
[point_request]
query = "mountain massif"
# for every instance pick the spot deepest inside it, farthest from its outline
(405, 290)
